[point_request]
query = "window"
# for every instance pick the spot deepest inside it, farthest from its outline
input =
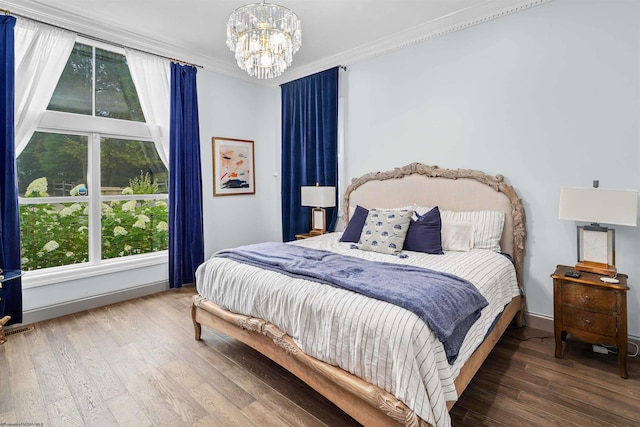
(137, 224)
(115, 94)
(53, 228)
(91, 183)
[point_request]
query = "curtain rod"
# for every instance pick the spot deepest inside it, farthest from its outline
(98, 39)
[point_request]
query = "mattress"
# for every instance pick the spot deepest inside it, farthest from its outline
(379, 342)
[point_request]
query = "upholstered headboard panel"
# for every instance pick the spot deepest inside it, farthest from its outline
(454, 190)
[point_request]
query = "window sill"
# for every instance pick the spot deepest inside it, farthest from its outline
(49, 276)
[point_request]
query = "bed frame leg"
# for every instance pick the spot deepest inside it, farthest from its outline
(197, 328)
(519, 318)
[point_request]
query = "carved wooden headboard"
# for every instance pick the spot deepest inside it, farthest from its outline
(454, 190)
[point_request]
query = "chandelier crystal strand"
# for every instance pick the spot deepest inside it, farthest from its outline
(264, 38)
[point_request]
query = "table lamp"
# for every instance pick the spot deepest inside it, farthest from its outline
(319, 198)
(596, 243)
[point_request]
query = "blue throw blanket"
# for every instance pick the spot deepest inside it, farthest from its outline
(445, 302)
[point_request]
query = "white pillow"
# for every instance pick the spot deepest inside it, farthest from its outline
(487, 226)
(457, 236)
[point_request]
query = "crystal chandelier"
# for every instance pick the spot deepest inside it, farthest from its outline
(264, 38)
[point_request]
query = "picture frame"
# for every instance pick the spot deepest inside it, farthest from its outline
(233, 166)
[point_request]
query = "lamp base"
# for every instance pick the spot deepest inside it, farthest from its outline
(597, 268)
(318, 222)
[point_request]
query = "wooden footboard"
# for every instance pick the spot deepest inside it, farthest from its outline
(368, 404)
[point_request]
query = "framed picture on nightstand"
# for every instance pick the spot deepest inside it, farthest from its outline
(596, 245)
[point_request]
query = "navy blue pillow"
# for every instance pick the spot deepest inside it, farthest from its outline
(424, 235)
(356, 223)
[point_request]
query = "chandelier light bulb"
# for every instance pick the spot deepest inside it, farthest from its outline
(264, 38)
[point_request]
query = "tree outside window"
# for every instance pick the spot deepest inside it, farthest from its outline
(79, 185)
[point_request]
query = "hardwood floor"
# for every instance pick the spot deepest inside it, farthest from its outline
(136, 364)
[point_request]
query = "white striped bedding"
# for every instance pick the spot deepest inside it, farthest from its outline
(384, 344)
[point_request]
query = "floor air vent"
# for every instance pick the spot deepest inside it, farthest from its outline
(19, 330)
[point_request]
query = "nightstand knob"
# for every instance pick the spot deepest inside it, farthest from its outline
(587, 321)
(586, 296)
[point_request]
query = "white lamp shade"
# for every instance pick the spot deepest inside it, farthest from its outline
(596, 205)
(318, 197)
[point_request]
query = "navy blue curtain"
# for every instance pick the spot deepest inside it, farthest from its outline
(309, 146)
(9, 214)
(186, 240)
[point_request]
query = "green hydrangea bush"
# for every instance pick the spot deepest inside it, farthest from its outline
(57, 234)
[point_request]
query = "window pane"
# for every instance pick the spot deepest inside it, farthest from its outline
(116, 96)
(73, 92)
(131, 227)
(53, 235)
(131, 164)
(52, 164)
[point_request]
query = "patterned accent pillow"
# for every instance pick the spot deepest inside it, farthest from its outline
(385, 230)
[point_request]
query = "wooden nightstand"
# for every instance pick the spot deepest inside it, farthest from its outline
(591, 310)
(303, 236)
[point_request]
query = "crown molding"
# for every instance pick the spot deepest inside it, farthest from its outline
(67, 20)
(447, 24)
(465, 18)
(40, 11)
(95, 29)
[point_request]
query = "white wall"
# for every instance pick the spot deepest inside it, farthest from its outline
(233, 108)
(548, 97)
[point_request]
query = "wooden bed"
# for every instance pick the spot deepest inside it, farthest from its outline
(456, 190)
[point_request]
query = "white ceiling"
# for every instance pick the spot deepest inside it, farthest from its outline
(334, 32)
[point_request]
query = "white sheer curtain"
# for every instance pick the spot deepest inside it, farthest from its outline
(152, 78)
(41, 53)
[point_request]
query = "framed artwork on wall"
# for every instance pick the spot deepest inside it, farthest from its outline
(233, 167)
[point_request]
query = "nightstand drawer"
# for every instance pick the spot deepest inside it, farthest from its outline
(588, 297)
(589, 321)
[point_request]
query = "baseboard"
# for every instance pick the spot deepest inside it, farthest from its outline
(57, 310)
(545, 323)
(537, 321)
